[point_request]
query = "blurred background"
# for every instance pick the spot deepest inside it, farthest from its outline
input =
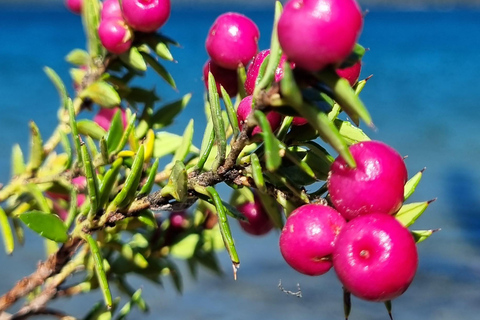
(424, 97)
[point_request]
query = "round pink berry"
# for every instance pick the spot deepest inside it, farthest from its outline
(375, 257)
(104, 117)
(259, 222)
(232, 40)
(245, 108)
(317, 33)
(308, 238)
(115, 35)
(146, 15)
(299, 121)
(254, 69)
(375, 185)
(351, 73)
(111, 9)
(74, 6)
(227, 78)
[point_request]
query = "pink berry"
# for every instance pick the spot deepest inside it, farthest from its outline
(179, 220)
(317, 33)
(375, 257)
(232, 40)
(245, 108)
(308, 238)
(299, 121)
(259, 222)
(115, 35)
(254, 69)
(375, 185)
(351, 73)
(225, 77)
(74, 5)
(104, 117)
(146, 15)
(111, 9)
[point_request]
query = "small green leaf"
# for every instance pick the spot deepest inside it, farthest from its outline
(167, 143)
(74, 129)
(78, 57)
(147, 218)
(185, 248)
(115, 133)
(67, 147)
(102, 94)
(47, 225)
(108, 182)
(92, 182)
(177, 183)
(37, 154)
(184, 149)
(421, 235)
(165, 115)
(240, 196)
(257, 173)
(100, 271)
(91, 20)
(58, 83)
(160, 44)
(126, 134)
(18, 163)
(36, 193)
(217, 119)
(7, 233)
(127, 194)
(349, 132)
(410, 212)
(272, 150)
(90, 128)
(232, 114)
(134, 59)
(147, 187)
(412, 184)
(159, 69)
(207, 145)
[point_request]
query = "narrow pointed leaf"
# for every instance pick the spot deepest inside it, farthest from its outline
(350, 133)
(232, 114)
(177, 183)
(207, 144)
(347, 303)
(410, 212)
(36, 193)
(92, 182)
(99, 270)
(126, 134)
(167, 143)
(18, 163)
(134, 59)
(421, 235)
(217, 118)
(147, 187)
(91, 20)
(159, 69)
(78, 57)
(102, 93)
(127, 194)
(19, 233)
(184, 149)
(345, 96)
(74, 129)
(412, 184)
(108, 182)
(165, 115)
(388, 306)
(115, 133)
(90, 128)
(225, 229)
(37, 154)
(7, 233)
(149, 144)
(58, 83)
(47, 225)
(272, 150)
(257, 173)
(67, 147)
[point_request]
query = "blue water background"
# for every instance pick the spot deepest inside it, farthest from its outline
(424, 97)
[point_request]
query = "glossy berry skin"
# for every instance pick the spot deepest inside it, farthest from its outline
(146, 15)
(309, 236)
(375, 257)
(258, 221)
(375, 185)
(232, 40)
(111, 9)
(225, 77)
(104, 117)
(245, 108)
(115, 35)
(74, 6)
(317, 33)
(351, 73)
(254, 69)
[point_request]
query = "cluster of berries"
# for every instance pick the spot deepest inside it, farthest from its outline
(119, 21)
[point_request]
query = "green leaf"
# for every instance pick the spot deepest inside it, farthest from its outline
(159, 69)
(18, 163)
(91, 20)
(164, 116)
(167, 143)
(147, 187)
(257, 173)
(412, 184)
(162, 50)
(102, 93)
(92, 182)
(7, 233)
(177, 183)
(74, 129)
(126, 134)
(349, 132)
(78, 57)
(115, 133)
(410, 212)
(47, 225)
(184, 148)
(345, 96)
(272, 208)
(207, 145)
(100, 271)
(272, 150)
(36, 193)
(240, 196)
(421, 235)
(37, 154)
(232, 114)
(147, 218)
(90, 128)
(127, 194)
(134, 59)
(185, 248)
(217, 119)
(67, 147)
(58, 83)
